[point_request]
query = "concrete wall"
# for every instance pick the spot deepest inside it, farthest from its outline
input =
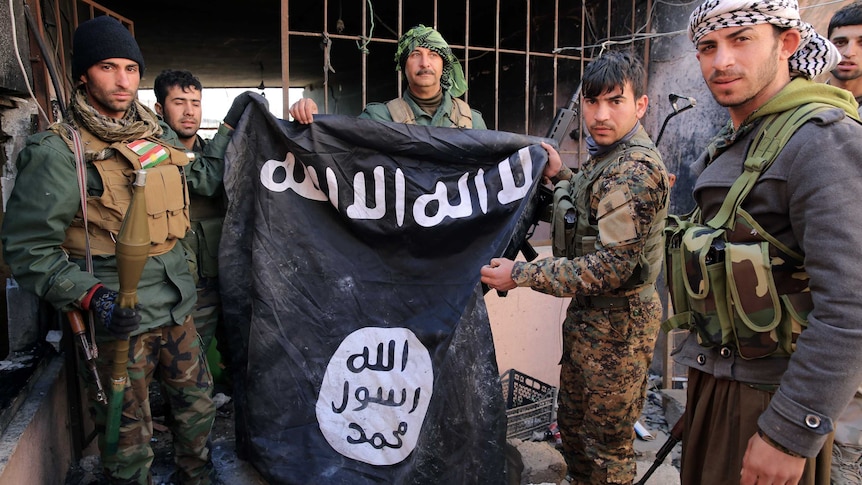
(35, 448)
(527, 329)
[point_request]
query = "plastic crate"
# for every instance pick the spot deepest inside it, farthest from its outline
(529, 404)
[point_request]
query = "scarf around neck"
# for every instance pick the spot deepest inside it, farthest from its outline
(137, 123)
(798, 91)
(597, 150)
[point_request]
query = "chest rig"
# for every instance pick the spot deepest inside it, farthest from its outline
(166, 193)
(574, 231)
(732, 283)
(460, 116)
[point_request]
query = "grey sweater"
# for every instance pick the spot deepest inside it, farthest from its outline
(810, 200)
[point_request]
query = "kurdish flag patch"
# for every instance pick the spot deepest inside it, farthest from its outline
(149, 153)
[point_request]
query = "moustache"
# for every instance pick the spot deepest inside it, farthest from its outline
(425, 71)
(724, 75)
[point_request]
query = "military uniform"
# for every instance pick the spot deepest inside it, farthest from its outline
(614, 316)
(39, 243)
(806, 201)
(202, 242)
(442, 117)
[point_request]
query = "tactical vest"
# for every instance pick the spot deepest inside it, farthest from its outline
(732, 283)
(573, 231)
(461, 115)
(166, 193)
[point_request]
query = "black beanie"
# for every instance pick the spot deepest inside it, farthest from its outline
(102, 38)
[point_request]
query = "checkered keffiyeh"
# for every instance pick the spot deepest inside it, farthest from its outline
(452, 79)
(815, 54)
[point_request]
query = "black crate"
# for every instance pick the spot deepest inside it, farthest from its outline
(529, 404)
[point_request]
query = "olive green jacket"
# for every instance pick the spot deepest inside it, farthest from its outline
(379, 112)
(42, 205)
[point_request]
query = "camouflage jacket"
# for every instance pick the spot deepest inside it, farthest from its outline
(642, 182)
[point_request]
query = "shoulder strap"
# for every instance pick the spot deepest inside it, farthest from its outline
(461, 114)
(81, 170)
(771, 137)
(400, 111)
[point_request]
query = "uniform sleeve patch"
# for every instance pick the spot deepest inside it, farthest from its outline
(616, 220)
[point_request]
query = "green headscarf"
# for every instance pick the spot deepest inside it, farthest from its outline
(452, 79)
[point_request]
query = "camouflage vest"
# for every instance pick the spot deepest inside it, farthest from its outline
(461, 115)
(166, 192)
(574, 234)
(732, 283)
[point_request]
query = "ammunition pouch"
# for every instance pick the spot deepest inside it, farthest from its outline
(461, 115)
(166, 195)
(730, 281)
(750, 295)
(564, 219)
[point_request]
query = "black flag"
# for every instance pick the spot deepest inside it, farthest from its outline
(349, 267)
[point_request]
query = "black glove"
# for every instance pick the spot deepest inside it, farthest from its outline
(238, 107)
(119, 321)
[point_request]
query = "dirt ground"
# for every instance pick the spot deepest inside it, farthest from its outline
(230, 470)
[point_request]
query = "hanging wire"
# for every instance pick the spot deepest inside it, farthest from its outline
(363, 46)
(631, 40)
(21, 62)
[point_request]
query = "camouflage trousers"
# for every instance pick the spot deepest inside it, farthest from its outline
(173, 355)
(606, 356)
(207, 311)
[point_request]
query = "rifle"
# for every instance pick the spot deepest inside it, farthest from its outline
(674, 438)
(89, 352)
(557, 132)
(543, 198)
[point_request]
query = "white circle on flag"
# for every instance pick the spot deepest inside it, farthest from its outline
(375, 395)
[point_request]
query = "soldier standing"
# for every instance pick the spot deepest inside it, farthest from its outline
(435, 81)
(607, 256)
(67, 255)
(767, 378)
(178, 102)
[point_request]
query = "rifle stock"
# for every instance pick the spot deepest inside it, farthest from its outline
(674, 438)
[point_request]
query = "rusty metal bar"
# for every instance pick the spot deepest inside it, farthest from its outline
(285, 58)
(452, 45)
(61, 59)
(556, 64)
(325, 60)
(647, 28)
(467, 48)
(608, 26)
(583, 41)
(497, 66)
(400, 33)
(95, 8)
(363, 63)
(527, 73)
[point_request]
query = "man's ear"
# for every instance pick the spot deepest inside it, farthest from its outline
(158, 107)
(641, 106)
(790, 40)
